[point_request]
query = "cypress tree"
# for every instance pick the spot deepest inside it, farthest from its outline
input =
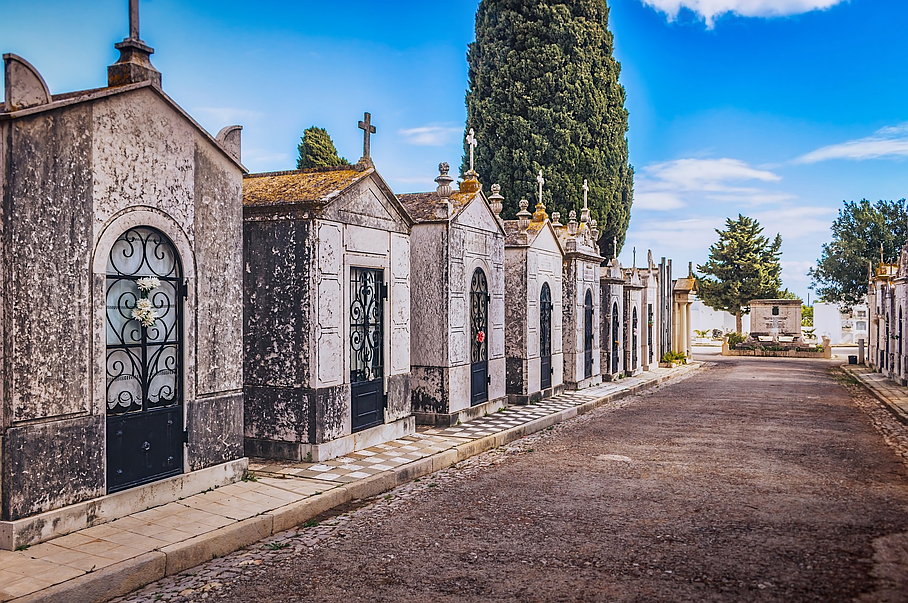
(544, 94)
(743, 266)
(316, 149)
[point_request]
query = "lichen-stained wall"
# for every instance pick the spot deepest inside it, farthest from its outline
(47, 291)
(517, 302)
(612, 296)
(399, 293)
(277, 258)
(633, 297)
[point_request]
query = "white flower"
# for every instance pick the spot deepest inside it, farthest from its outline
(144, 304)
(147, 284)
(149, 319)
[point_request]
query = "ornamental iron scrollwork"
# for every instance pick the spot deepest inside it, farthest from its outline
(545, 321)
(479, 317)
(366, 319)
(588, 335)
(616, 332)
(143, 361)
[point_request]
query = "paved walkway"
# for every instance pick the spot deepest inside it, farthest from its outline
(112, 559)
(893, 395)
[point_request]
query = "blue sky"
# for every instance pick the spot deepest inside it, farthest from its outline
(778, 109)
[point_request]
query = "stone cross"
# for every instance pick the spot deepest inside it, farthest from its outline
(368, 130)
(471, 142)
(133, 19)
(586, 190)
(541, 181)
(615, 246)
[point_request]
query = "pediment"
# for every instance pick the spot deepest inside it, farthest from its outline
(477, 214)
(547, 240)
(367, 204)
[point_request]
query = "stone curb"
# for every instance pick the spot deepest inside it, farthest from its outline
(129, 575)
(892, 408)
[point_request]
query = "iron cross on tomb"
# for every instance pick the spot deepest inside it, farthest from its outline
(368, 130)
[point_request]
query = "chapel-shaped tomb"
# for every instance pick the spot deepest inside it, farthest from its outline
(327, 312)
(458, 360)
(122, 300)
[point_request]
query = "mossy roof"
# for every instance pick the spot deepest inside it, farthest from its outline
(315, 185)
(423, 207)
(512, 232)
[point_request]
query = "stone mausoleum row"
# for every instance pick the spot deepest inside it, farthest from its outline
(164, 315)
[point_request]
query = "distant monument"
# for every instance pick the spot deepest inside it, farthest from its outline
(776, 321)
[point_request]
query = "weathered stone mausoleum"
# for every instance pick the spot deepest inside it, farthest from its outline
(327, 311)
(887, 300)
(633, 302)
(121, 300)
(458, 364)
(581, 291)
(533, 317)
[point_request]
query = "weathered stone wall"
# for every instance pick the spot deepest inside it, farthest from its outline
(429, 301)
(633, 297)
(612, 293)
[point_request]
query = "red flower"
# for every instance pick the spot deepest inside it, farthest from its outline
(481, 336)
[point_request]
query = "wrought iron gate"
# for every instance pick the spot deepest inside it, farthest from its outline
(588, 335)
(616, 328)
(634, 340)
(479, 347)
(144, 391)
(545, 337)
(367, 293)
(649, 333)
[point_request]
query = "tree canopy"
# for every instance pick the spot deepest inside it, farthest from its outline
(316, 149)
(743, 265)
(858, 233)
(544, 94)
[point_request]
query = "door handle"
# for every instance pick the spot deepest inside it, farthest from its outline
(488, 379)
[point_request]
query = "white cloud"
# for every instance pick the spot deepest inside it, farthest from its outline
(710, 9)
(675, 184)
(794, 223)
(887, 142)
(794, 273)
(430, 136)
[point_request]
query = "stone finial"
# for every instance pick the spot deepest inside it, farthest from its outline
(594, 231)
(523, 216)
(24, 85)
(572, 223)
(444, 181)
(496, 201)
(541, 181)
(471, 142)
(690, 268)
(585, 212)
(556, 223)
(539, 215)
(134, 64)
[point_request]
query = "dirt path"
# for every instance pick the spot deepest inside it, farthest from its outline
(754, 480)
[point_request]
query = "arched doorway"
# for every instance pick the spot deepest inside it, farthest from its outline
(634, 340)
(588, 335)
(144, 357)
(616, 328)
(545, 337)
(367, 367)
(479, 347)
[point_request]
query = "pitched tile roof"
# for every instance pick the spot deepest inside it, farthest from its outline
(315, 185)
(423, 207)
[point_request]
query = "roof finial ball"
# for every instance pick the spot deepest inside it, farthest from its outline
(444, 181)
(134, 64)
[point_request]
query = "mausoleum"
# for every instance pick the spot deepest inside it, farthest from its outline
(327, 311)
(611, 328)
(121, 300)
(457, 309)
(533, 259)
(581, 291)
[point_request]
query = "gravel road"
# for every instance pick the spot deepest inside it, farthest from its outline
(751, 480)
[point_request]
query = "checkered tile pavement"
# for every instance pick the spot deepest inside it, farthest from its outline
(429, 440)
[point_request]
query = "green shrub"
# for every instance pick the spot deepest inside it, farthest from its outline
(734, 339)
(678, 357)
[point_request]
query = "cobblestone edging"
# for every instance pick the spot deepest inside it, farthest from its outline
(893, 396)
(117, 579)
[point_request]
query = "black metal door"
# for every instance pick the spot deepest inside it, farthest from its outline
(616, 332)
(588, 335)
(545, 337)
(479, 347)
(367, 292)
(649, 332)
(144, 359)
(634, 341)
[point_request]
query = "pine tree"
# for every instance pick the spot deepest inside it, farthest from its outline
(316, 149)
(861, 233)
(544, 94)
(744, 266)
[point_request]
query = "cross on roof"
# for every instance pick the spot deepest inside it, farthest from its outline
(541, 181)
(586, 190)
(471, 142)
(133, 19)
(368, 130)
